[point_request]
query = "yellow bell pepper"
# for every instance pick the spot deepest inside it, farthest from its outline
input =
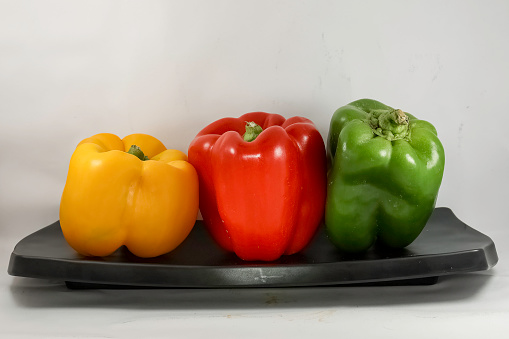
(113, 198)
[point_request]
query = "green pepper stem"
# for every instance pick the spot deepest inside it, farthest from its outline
(390, 124)
(136, 151)
(252, 131)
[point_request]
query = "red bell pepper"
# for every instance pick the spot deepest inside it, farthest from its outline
(262, 198)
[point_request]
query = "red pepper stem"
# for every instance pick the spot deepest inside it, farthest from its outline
(252, 131)
(136, 151)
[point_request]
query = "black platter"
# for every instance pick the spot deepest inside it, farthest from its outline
(445, 246)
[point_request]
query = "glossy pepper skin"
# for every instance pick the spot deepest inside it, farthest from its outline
(112, 198)
(263, 198)
(385, 170)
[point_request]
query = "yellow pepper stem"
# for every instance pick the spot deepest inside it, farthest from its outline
(136, 151)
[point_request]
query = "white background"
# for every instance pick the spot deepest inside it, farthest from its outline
(71, 69)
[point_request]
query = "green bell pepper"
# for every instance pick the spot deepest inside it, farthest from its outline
(385, 169)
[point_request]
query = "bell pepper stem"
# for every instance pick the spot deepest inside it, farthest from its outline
(252, 131)
(136, 151)
(389, 124)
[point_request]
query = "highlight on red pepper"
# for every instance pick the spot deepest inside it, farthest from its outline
(262, 183)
